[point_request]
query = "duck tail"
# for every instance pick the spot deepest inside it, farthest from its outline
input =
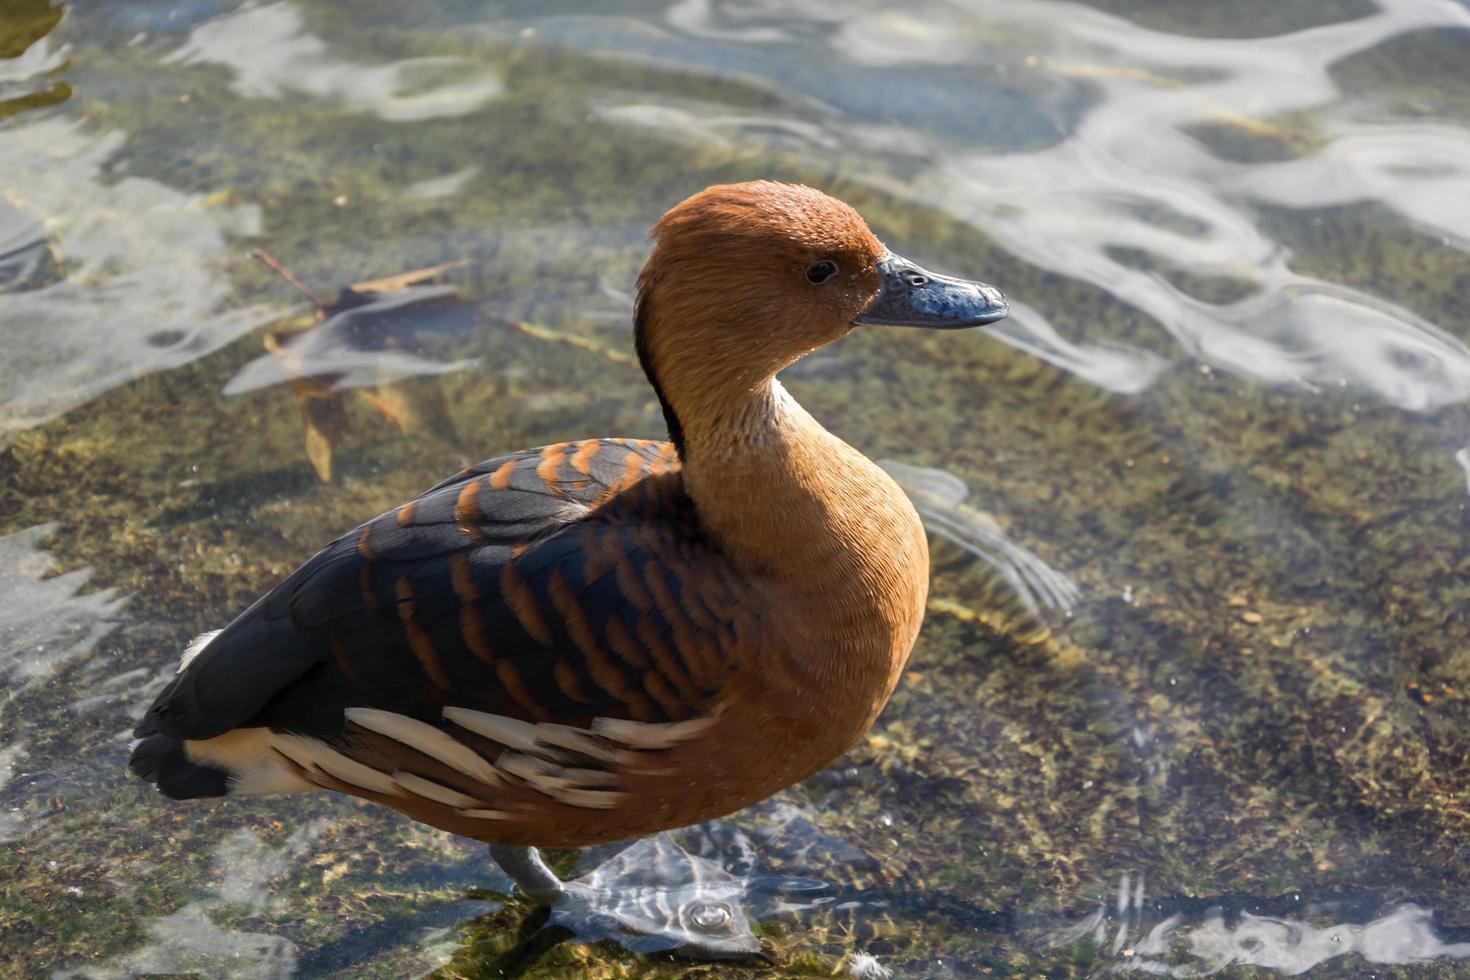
(160, 760)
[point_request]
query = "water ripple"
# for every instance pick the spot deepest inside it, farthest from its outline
(270, 53)
(1127, 174)
(50, 620)
(139, 257)
(1196, 938)
(939, 497)
(1131, 177)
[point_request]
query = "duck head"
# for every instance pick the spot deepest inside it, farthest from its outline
(746, 278)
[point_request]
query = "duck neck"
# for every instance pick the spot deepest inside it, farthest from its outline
(828, 535)
(765, 476)
(750, 424)
(831, 541)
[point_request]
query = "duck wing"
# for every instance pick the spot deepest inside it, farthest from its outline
(557, 587)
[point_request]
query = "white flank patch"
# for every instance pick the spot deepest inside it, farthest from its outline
(539, 755)
(196, 647)
(486, 814)
(431, 790)
(556, 784)
(650, 735)
(580, 740)
(234, 751)
(591, 798)
(268, 778)
(511, 732)
(310, 753)
(245, 754)
(432, 742)
(531, 770)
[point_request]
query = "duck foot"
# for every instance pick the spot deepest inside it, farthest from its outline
(652, 897)
(525, 867)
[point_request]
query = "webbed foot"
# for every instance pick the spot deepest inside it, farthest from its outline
(651, 897)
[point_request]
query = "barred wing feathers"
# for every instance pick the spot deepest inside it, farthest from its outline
(537, 621)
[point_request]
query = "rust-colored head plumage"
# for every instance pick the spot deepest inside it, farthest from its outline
(762, 216)
(746, 278)
(743, 280)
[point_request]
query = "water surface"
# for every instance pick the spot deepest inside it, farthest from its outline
(1194, 690)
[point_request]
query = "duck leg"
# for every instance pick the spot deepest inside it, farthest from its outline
(525, 867)
(651, 897)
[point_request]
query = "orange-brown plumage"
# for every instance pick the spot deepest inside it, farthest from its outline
(721, 308)
(601, 639)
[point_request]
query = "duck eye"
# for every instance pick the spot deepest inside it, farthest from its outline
(820, 272)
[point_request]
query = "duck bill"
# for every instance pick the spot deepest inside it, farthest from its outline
(910, 296)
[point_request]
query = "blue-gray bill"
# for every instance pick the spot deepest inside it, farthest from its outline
(910, 296)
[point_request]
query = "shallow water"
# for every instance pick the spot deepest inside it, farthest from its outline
(1194, 688)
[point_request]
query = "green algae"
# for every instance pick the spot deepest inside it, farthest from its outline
(1411, 74)
(1366, 245)
(1242, 139)
(23, 24)
(1264, 692)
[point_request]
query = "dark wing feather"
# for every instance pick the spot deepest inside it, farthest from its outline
(561, 582)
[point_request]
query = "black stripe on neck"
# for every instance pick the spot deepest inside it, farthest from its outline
(640, 344)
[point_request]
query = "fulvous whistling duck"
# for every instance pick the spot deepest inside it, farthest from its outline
(601, 639)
